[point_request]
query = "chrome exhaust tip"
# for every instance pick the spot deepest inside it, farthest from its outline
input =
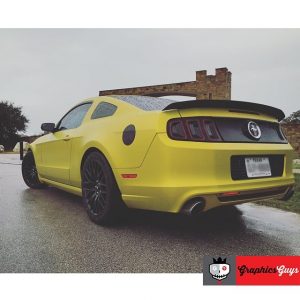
(194, 206)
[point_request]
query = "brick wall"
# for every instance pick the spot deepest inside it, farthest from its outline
(292, 132)
(30, 139)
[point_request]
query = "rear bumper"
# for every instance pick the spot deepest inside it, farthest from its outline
(175, 172)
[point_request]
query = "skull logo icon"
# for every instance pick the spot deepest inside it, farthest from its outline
(219, 269)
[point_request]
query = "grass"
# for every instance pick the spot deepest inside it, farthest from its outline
(292, 205)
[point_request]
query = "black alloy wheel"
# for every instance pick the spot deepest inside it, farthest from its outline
(30, 173)
(100, 192)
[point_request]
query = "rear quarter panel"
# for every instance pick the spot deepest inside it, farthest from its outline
(105, 134)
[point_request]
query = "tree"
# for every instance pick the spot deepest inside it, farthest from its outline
(12, 123)
(293, 118)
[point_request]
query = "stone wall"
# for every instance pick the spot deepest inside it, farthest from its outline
(216, 87)
(292, 132)
(31, 138)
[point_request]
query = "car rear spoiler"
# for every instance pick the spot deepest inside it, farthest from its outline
(230, 104)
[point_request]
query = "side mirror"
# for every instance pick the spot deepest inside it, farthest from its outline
(48, 127)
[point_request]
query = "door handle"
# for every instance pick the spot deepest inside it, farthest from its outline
(66, 138)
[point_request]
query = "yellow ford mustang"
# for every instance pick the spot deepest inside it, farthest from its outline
(158, 154)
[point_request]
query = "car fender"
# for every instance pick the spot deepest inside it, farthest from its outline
(78, 155)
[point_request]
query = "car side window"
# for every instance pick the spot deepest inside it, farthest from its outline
(104, 109)
(73, 118)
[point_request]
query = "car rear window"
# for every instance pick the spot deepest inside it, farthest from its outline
(145, 102)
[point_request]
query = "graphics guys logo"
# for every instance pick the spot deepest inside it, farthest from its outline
(251, 270)
(268, 270)
(219, 269)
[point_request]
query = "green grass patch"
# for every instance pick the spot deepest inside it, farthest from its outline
(291, 205)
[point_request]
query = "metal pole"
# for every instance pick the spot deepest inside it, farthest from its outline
(21, 150)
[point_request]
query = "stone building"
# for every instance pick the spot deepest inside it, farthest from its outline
(205, 87)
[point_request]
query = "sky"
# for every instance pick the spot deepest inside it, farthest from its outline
(47, 71)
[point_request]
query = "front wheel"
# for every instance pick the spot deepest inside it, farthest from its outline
(100, 192)
(29, 172)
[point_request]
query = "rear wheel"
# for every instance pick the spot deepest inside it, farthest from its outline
(29, 172)
(100, 192)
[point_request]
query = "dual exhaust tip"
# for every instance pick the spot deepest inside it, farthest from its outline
(194, 206)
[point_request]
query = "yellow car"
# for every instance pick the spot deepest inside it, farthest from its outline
(158, 154)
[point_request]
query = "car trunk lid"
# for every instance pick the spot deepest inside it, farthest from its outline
(229, 105)
(225, 121)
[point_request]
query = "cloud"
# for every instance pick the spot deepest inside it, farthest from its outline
(47, 71)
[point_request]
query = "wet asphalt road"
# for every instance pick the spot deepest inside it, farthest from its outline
(49, 231)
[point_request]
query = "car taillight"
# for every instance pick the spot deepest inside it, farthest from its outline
(193, 129)
(176, 127)
(211, 130)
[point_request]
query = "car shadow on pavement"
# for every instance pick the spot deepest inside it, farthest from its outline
(227, 219)
(218, 220)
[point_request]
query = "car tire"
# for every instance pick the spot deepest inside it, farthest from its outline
(100, 192)
(30, 173)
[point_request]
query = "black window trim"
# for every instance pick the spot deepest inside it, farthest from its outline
(80, 104)
(104, 116)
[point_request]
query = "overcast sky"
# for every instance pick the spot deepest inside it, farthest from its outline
(47, 71)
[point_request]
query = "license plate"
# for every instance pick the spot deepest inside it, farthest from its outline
(257, 167)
